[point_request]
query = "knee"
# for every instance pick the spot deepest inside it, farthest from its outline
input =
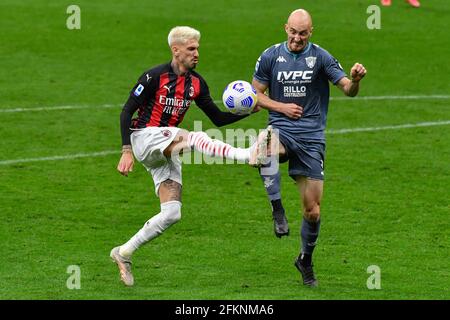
(171, 211)
(312, 212)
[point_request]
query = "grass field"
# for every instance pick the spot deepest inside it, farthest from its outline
(386, 200)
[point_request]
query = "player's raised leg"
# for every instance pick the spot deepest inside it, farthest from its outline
(262, 148)
(311, 191)
(199, 141)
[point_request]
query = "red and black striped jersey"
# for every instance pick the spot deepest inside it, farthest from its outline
(164, 97)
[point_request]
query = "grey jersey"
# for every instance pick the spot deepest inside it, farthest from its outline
(302, 79)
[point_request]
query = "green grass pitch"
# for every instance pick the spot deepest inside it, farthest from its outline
(386, 200)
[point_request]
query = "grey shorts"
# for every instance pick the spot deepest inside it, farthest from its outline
(305, 158)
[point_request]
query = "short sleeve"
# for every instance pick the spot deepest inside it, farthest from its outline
(263, 68)
(332, 68)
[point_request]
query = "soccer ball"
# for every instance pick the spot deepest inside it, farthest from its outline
(239, 97)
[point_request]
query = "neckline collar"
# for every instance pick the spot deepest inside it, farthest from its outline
(305, 50)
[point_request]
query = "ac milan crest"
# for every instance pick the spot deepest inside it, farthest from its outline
(166, 133)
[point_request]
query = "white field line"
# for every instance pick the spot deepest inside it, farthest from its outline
(397, 127)
(66, 157)
(417, 97)
(55, 108)
(331, 131)
(74, 107)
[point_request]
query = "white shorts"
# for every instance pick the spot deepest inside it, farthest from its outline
(148, 147)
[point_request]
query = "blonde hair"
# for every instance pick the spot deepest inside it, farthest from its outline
(182, 35)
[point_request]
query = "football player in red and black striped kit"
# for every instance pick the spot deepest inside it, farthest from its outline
(161, 98)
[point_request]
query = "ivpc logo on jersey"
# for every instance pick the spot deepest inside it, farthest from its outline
(294, 77)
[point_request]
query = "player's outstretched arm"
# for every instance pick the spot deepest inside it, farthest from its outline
(218, 117)
(291, 110)
(351, 87)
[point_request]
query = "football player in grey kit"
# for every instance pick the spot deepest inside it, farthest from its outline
(297, 74)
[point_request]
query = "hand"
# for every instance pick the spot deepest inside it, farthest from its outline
(126, 163)
(292, 110)
(358, 72)
(257, 108)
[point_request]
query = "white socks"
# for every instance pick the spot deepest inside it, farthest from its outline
(170, 214)
(171, 210)
(201, 142)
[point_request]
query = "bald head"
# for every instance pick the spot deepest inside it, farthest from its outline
(299, 29)
(300, 16)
